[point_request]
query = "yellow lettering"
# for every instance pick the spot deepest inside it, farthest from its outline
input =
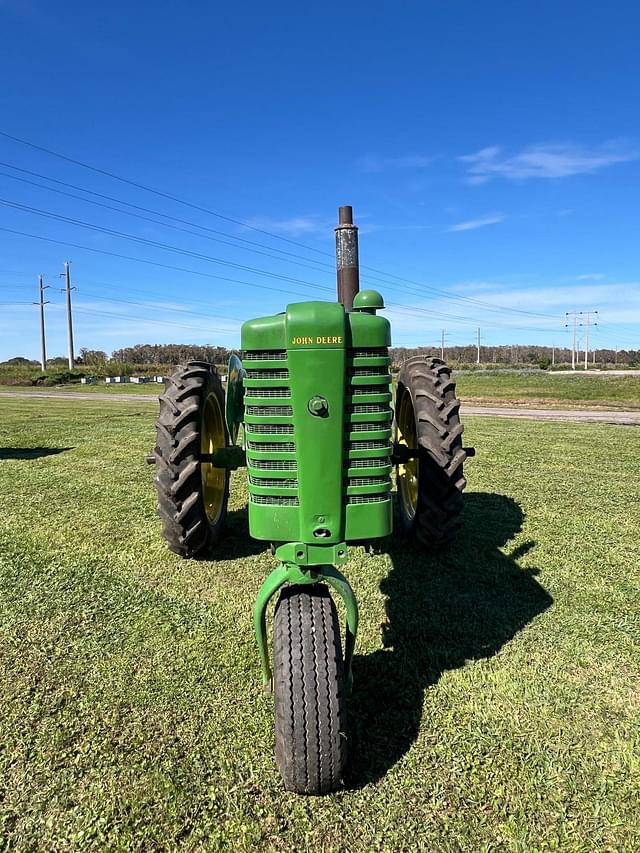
(319, 339)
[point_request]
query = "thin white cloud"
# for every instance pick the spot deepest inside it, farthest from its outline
(549, 304)
(558, 160)
(589, 276)
(295, 225)
(472, 224)
(375, 163)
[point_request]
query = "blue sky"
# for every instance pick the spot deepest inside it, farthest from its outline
(491, 152)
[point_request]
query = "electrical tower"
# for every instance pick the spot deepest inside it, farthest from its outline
(588, 322)
(67, 290)
(42, 303)
(574, 315)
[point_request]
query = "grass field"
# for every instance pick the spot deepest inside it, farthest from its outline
(549, 389)
(496, 700)
(147, 389)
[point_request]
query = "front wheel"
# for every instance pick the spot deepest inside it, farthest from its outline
(309, 688)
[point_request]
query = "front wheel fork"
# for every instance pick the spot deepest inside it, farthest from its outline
(290, 573)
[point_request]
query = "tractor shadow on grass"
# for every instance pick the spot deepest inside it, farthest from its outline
(30, 452)
(236, 541)
(442, 611)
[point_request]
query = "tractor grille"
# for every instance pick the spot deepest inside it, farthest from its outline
(270, 447)
(274, 464)
(367, 499)
(268, 397)
(381, 480)
(372, 352)
(269, 382)
(270, 429)
(377, 485)
(273, 482)
(370, 427)
(368, 371)
(275, 500)
(365, 463)
(254, 373)
(373, 444)
(367, 408)
(270, 411)
(265, 355)
(266, 392)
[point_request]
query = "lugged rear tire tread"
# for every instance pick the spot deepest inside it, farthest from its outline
(308, 674)
(439, 431)
(178, 481)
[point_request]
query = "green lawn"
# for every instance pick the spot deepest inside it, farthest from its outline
(496, 700)
(621, 392)
(149, 388)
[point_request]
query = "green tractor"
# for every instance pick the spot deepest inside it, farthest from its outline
(320, 441)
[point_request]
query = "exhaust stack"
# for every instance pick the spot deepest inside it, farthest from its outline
(347, 263)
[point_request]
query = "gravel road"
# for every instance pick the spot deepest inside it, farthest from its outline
(579, 415)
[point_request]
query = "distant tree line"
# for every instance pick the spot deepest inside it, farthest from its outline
(133, 358)
(170, 354)
(517, 354)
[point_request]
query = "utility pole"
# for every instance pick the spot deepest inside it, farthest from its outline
(478, 359)
(442, 346)
(587, 323)
(67, 290)
(42, 303)
(553, 352)
(573, 314)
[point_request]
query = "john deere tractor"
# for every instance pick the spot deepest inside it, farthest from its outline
(320, 439)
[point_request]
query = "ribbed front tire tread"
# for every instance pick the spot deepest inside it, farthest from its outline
(308, 672)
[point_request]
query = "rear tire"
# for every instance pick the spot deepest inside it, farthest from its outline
(192, 495)
(427, 418)
(308, 674)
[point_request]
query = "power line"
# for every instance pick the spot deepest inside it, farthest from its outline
(58, 217)
(138, 319)
(178, 200)
(282, 256)
(160, 193)
(407, 308)
(427, 289)
(148, 261)
(153, 307)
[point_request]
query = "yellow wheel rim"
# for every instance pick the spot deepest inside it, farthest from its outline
(408, 472)
(212, 439)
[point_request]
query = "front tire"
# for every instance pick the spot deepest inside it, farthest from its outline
(309, 688)
(427, 419)
(192, 494)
